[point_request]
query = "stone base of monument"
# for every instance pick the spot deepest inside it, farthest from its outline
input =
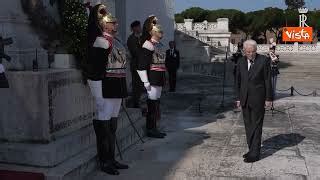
(46, 125)
(74, 166)
(64, 61)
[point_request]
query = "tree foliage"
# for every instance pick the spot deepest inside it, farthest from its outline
(256, 23)
(295, 4)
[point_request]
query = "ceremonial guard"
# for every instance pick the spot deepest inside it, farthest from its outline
(107, 81)
(151, 69)
(274, 59)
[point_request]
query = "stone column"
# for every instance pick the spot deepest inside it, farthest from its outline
(188, 24)
(205, 22)
(208, 54)
(296, 47)
(223, 24)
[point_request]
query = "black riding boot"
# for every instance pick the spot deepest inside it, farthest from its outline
(103, 146)
(151, 120)
(113, 140)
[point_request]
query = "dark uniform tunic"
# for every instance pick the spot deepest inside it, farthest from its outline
(108, 65)
(134, 46)
(152, 59)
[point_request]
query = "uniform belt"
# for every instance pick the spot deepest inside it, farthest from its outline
(158, 68)
(119, 75)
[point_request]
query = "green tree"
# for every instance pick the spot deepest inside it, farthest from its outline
(196, 13)
(179, 18)
(314, 21)
(294, 4)
(274, 21)
(236, 18)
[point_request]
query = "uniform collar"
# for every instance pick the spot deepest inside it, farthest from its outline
(154, 41)
(107, 34)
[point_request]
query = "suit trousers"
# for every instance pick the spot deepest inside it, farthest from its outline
(253, 121)
(172, 79)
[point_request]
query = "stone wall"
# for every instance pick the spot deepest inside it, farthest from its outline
(14, 23)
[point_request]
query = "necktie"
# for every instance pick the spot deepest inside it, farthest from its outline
(251, 64)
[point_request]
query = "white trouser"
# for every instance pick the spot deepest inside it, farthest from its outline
(106, 107)
(154, 93)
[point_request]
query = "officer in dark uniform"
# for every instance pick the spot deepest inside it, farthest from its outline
(151, 69)
(172, 65)
(107, 81)
(134, 46)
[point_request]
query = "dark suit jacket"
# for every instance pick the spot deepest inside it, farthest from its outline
(172, 61)
(134, 46)
(254, 86)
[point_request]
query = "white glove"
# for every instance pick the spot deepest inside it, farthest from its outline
(147, 86)
(2, 68)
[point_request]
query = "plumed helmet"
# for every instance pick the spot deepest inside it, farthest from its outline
(98, 15)
(104, 16)
(150, 25)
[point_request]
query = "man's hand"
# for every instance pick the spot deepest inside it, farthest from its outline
(2, 68)
(238, 105)
(268, 104)
(147, 86)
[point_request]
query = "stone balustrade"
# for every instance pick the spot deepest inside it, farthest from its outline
(285, 48)
(212, 33)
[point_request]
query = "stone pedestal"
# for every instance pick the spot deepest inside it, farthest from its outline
(46, 122)
(55, 101)
(64, 61)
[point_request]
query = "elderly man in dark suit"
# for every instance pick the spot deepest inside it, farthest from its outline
(172, 65)
(254, 93)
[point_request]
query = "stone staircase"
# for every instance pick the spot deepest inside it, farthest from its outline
(192, 49)
(300, 66)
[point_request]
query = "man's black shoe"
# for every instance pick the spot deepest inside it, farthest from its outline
(109, 169)
(245, 155)
(251, 160)
(154, 134)
(118, 165)
(162, 133)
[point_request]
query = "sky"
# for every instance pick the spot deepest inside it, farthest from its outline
(243, 5)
